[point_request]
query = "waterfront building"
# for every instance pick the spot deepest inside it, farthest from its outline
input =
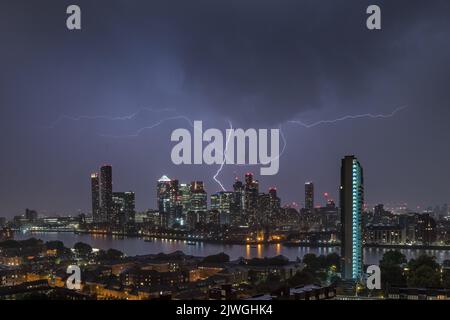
(124, 208)
(425, 229)
(185, 196)
(237, 211)
(382, 234)
(95, 197)
(31, 215)
(163, 198)
(106, 194)
(223, 202)
(198, 198)
(251, 190)
(329, 216)
(309, 197)
(351, 205)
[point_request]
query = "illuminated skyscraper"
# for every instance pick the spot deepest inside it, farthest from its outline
(238, 188)
(223, 202)
(162, 194)
(95, 194)
(264, 211)
(199, 202)
(172, 198)
(106, 193)
(237, 211)
(163, 198)
(176, 208)
(130, 207)
(198, 205)
(123, 208)
(309, 196)
(251, 199)
(275, 202)
(185, 198)
(351, 204)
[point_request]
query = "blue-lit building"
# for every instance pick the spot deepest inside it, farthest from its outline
(351, 204)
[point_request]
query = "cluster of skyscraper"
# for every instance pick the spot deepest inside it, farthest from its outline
(187, 204)
(113, 208)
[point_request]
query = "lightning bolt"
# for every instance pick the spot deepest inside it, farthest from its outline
(104, 117)
(308, 126)
(347, 117)
(178, 116)
(124, 118)
(139, 132)
(223, 158)
(219, 170)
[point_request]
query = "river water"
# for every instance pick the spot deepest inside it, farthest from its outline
(136, 246)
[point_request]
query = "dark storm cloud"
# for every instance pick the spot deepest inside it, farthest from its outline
(252, 61)
(266, 61)
(269, 63)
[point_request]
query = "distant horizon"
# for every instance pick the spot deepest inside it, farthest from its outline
(299, 204)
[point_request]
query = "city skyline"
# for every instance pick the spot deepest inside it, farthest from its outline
(308, 197)
(246, 218)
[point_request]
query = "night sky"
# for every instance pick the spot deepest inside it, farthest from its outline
(65, 95)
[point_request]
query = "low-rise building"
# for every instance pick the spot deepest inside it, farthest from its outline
(385, 234)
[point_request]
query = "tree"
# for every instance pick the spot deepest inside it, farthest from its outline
(303, 277)
(217, 258)
(55, 245)
(110, 254)
(32, 242)
(312, 263)
(333, 259)
(393, 257)
(58, 246)
(391, 270)
(274, 261)
(423, 260)
(8, 244)
(424, 272)
(424, 277)
(446, 279)
(82, 249)
(272, 282)
(392, 275)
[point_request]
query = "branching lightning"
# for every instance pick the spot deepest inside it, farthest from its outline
(108, 118)
(138, 132)
(348, 117)
(219, 170)
(178, 116)
(223, 158)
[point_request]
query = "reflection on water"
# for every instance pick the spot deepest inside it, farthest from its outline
(278, 248)
(135, 246)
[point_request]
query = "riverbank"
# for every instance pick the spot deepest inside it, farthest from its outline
(133, 246)
(246, 243)
(407, 246)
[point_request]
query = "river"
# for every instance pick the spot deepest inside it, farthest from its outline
(136, 246)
